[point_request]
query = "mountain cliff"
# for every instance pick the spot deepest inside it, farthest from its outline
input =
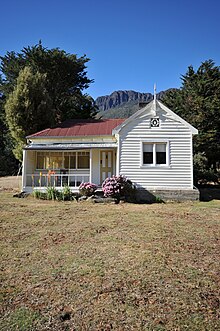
(122, 103)
(118, 97)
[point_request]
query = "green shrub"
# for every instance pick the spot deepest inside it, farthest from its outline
(200, 162)
(158, 199)
(201, 171)
(52, 193)
(66, 193)
(37, 194)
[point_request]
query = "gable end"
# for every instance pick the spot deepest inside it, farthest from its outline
(151, 109)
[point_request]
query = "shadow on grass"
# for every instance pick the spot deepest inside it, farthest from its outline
(209, 192)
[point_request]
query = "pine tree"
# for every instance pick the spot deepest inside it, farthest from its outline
(198, 102)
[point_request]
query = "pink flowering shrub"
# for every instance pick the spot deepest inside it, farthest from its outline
(87, 189)
(117, 186)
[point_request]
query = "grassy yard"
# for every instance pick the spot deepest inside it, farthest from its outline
(82, 266)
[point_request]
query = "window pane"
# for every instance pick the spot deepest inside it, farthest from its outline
(148, 148)
(56, 160)
(160, 153)
(83, 161)
(40, 162)
(148, 153)
(66, 161)
(73, 162)
(47, 162)
(161, 147)
(148, 157)
(161, 158)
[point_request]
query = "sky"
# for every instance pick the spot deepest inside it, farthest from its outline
(131, 44)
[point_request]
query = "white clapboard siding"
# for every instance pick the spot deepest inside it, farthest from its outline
(178, 175)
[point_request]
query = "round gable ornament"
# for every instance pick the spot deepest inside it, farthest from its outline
(155, 122)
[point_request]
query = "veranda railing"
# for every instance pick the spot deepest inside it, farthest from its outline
(56, 180)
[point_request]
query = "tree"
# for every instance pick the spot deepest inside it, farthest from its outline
(8, 164)
(198, 102)
(66, 79)
(28, 108)
(40, 81)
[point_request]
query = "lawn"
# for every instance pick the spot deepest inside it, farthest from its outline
(83, 266)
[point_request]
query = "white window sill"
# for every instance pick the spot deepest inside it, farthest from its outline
(155, 166)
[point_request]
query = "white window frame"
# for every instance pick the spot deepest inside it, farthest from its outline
(154, 164)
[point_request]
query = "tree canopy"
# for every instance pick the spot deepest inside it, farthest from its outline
(28, 107)
(41, 87)
(198, 102)
(65, 82)
(8, 164)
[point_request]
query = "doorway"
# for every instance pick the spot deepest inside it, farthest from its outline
(106, 164)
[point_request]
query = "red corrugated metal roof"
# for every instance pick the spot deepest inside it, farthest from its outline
(81, 127)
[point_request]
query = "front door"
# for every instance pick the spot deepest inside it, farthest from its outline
(106, 164)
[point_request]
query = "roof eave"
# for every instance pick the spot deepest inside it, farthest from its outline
(192, 128)
(58, 137)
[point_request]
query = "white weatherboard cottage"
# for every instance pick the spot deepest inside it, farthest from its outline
(153, 148)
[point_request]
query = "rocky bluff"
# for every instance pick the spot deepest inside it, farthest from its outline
(117, 98)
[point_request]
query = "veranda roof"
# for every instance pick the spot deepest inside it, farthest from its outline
(69, 146)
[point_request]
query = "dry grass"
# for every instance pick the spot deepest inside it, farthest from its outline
(10, 183)
(79, 266)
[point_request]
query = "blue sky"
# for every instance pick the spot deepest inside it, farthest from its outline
(131, 44)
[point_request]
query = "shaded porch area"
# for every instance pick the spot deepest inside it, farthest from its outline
(60, 168)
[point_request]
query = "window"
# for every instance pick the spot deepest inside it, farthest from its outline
(55, 160)
(76, 160)
(70, 160)
(41, 161)
(67, 160)
(83, 160)
(155, 153)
